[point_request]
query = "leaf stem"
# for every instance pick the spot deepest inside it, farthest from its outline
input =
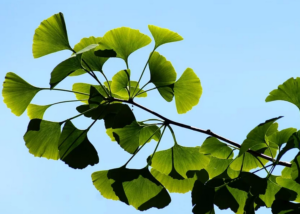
(67, 101)
(142, 145)
(208, 132)
(144, 70)
(78, 115)
(149, 162)
(57, 89)
(173, 134)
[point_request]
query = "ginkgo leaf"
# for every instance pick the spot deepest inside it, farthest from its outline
(257, 137)
(64, 69)
(115, 115)
(17, 93)
(162, 75)
(136, 187)
(51, 36)
(120, 80)
(187, 91)
(94, 62)
(75, 149)
(203, 198)
(175, 163)
(134, 135)
(36, 111)
(292, 142)
(123, 41)
(42, 138)
(163, 35)
(95, 96)
(282, 206)
(212, 146)
(282, 136)
(123, 93)
(217, 166)
(85, 88)
(288, 91)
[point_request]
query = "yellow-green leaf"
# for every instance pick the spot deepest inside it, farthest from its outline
(187, 91)
(94, 62)
(123, 41)
(17, 93)
(42, 138)
(163, 35)
(51, 36)
(36, 111)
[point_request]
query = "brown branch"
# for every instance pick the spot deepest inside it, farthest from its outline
(208, 132)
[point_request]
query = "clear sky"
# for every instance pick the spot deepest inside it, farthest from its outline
(241, 50)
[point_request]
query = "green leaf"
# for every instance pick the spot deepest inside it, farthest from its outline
(17, 93)
(64, 69)
(131, 186)
(120, 81)
(293, 142)
(105, 53)
(36, 111)
(175, 163)
(123, 41)
(123, 93)
(75, 149)
(163, 35)
(187, 91)
(217, 166)
(203, 198)
(288, 91)
(212, 146)
(42, 138)
(85, 88)
(282, 136)
(257, 137)
(94, 62)
(115, 115)
(134, 135)
(51, 36)
(162, 75)
(95, 96)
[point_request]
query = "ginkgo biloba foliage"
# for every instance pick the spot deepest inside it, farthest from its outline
(213, 174)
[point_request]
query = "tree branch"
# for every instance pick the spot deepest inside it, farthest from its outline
(208, 132)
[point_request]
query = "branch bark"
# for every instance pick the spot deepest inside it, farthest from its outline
(208, 132)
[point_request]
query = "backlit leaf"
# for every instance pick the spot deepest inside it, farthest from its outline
(289, 91)
(212, 146)
(163, 35)
(17, 93)
(162, 75)
(64, 69)
(75, 149)
(42, 138)
(120, 81)
(136, 187)
(36, 111)
(187, 91)
(51, 36)
(95, 63)
(85, 88)
(123, 41)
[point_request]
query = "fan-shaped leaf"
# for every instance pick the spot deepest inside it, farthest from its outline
(51, 36)
(282, 206)
(163, 35)
(85, 88)
(288, 91)
(203, 198)
(175, 163)
(187, 91)
(134, 135)
(217, 166)
(17, 93)
(258, 136)
(36, 111)
(120, 80)
(212, 146)
(64, 69)
(282, 136)
(123, 93)
(162, 75)
(42, 138)
(123, 41)
(75, 149)
(133, 187)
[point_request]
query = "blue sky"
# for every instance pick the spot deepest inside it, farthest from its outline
(241, 50)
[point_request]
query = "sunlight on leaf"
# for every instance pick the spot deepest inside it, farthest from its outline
(136, 187)
(36, 111)
(289, 91)
(42, 138)
(162, 74)
(212, 146)
(187, 91)
(64, 69)
(51, 36)
(17, 93)
(123, 41)
(120, 81)
(85, 88)
(163, 35)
